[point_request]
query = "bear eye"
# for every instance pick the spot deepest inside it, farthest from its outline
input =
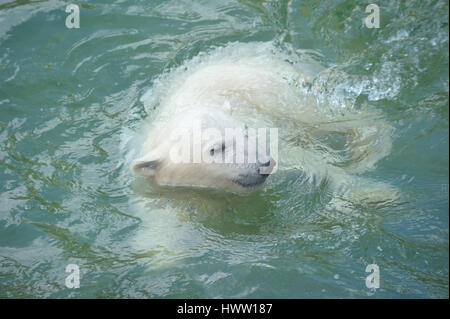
(213, 150)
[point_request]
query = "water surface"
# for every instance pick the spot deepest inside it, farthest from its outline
(69, 97)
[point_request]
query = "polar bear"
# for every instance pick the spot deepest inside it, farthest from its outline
(251, 85)
(323, 143)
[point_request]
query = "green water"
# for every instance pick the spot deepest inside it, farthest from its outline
(66, 196)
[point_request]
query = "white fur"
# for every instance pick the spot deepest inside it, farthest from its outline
(258, 85)
(255, 84)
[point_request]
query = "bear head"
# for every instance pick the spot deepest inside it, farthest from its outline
(207, 148)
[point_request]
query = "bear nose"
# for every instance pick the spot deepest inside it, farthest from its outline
(266, 163)
(266, 167)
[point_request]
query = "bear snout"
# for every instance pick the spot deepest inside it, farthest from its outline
(266, 167)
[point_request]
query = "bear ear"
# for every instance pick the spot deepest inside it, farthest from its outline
(145, 166)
